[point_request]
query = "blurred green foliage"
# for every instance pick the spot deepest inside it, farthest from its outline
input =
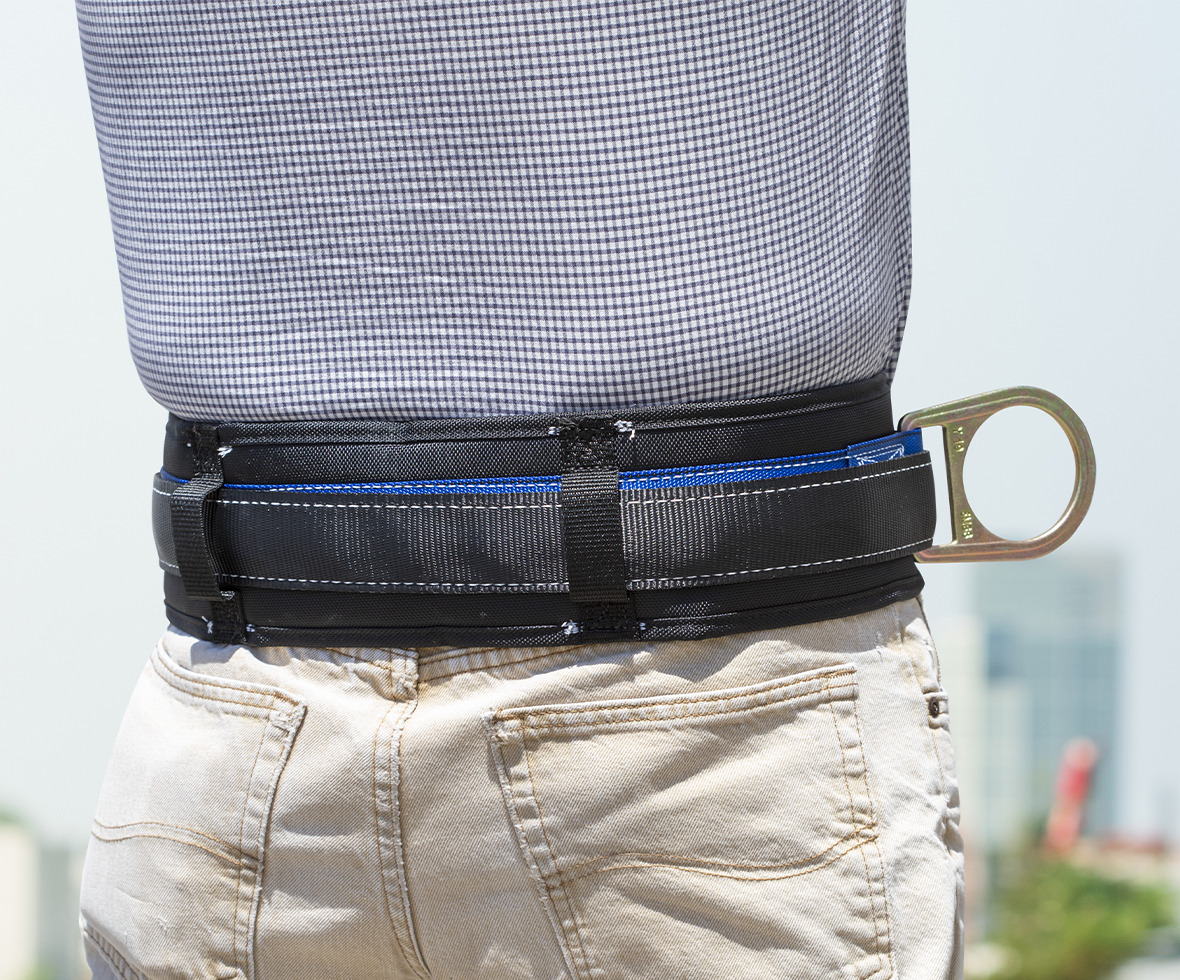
(1064, 922)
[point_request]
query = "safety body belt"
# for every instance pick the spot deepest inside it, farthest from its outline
(674, 522)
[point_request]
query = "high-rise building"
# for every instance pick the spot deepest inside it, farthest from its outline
(1052, 657)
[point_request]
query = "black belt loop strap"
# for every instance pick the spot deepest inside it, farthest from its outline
(592, 529)
(191, 509)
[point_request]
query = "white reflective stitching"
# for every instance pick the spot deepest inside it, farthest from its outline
(288, 503)
(662, 582)
(728, 470)
(755, 493)
(291, 503)
(332, 581)
(653, 582)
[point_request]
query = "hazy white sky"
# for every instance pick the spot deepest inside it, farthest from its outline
(1046, 137)
(1045, 143)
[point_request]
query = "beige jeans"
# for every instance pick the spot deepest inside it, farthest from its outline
(778, 804)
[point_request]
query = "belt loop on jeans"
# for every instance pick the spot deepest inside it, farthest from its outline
(190, 507)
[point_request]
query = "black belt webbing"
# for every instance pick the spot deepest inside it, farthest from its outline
(250, 561)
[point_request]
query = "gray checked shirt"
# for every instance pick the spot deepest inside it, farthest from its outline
(423, 208)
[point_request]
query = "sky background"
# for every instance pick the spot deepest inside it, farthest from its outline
(1046, 138)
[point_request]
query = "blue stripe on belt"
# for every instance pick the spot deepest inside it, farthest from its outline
(893, 446)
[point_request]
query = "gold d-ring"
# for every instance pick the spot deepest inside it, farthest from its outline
(960, 420)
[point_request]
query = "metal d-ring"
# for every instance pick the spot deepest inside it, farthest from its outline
(960, 420)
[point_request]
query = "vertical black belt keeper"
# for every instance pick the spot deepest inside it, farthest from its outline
(592, 530)
(191, 510)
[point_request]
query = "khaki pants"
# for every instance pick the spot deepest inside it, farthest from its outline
(777, 804)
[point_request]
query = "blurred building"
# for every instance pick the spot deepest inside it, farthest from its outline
(59, 940)
(1033, 666)
(1052, 663)
(38, 907)
(18, 910)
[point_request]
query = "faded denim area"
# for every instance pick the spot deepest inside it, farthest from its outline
(774, 804)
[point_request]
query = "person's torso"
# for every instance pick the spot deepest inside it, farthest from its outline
(379, 209)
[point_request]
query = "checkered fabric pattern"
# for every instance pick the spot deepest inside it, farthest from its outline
(422, 208)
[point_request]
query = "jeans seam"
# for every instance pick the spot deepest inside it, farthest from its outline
(109, 954)
(929, 728)
(385, 757)
(873, 817)
(243, 961)
(276, 710)
(400, 853)
(293, 720)
(853, 814)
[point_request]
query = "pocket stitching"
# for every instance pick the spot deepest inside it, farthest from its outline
(863, 835)
(544, 893)
(553, 857)
(821, 697)
(233, 855)
(515, 717)
(832, 685)
(825, 694)
(203, 686)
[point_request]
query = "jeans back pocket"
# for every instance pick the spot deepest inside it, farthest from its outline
(174, 867)
(727, 832)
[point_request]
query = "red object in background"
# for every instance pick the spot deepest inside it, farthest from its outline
(1069, 798)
